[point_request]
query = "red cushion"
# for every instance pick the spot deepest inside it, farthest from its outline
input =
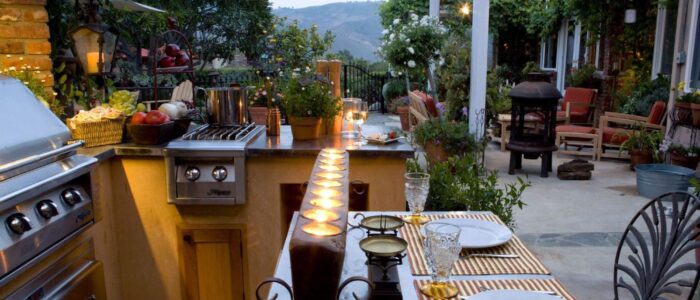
(579, 95)
(429, 102)
(657, 112)
(575, 129)
(615, 136)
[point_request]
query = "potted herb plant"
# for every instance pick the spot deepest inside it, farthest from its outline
(684, 157)
(307, 102)
(642, 146)
(441, 139)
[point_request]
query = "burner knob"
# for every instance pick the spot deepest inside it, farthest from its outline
(219, 173)
(71, 197)
(192, 173)
(18, 223)
(47, 209)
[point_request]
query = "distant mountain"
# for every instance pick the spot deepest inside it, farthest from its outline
(355, 24)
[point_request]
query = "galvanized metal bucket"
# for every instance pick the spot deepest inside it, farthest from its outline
(654, 180)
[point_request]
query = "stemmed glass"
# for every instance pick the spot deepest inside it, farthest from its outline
(442, 249)
(416, 190)
(360, 117)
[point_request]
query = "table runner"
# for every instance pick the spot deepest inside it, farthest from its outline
(527, 263)
(472, 287)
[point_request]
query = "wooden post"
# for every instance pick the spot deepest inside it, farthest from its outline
(331, 70)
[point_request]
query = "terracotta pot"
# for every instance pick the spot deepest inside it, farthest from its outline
(305, 128)
(638, 157)
(258, 114)
(435, 153)
(690, 162)
(684, 113)
(695, 108)
(402, 111)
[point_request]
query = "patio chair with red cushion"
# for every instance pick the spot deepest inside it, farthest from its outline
(614, 128)
(577, 106)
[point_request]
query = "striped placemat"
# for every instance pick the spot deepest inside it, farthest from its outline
(472, 287)
(527, 263)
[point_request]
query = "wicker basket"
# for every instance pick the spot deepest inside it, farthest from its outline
(97, 133)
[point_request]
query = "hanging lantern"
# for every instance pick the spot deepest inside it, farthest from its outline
(630, 16)
(94, 44)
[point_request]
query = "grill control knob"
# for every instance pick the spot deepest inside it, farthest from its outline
(219, 173)
(191, 173)
(18, 223)
(47, 209)
(71, 197)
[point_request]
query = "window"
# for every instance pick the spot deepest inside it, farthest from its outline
(664, 41)
(693, 72)
(549, 53)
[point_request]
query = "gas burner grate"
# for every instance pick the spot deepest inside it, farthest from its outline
(220, 133)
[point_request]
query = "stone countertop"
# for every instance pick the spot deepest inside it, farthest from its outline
(266, 146)
(285, 145)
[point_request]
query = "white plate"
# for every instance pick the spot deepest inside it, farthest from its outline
(478, 233)
(512, 294)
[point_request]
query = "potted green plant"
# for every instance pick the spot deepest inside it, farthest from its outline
(259, 103)
(399, 106)
(684, 111)
(642, 146)
(684, 157)
(441, 139)
(307, 102)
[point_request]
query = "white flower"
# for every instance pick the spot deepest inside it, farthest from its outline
(264, 93)
(296, 70)
(281, 73)
(402, 36)
(384, 32)
(441, 61)
(400, 73)
(303, 88)
(396, 21)
(408, 40)
(309, 112)
(308, 69)
(410, 49)
(414, 17)
(391, 37)
(411, 64)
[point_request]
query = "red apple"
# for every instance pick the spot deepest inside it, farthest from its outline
(166, 62)
(155, 117)
(172, 50)
(182, 59)
(138, 118)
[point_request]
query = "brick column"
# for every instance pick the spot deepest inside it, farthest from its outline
(24, 36)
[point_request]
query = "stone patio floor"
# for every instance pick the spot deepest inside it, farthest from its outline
(572, 226)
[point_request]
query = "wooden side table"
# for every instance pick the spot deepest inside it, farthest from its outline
(579, 140)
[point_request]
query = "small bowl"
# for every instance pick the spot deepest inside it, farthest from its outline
(383, 245)
(147, 134)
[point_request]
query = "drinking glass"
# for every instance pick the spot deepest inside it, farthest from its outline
(416, 190)
(350, 105)
(441, 247)
(360, 117)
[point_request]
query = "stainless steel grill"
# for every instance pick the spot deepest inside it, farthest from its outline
(216, 133)
(45, 196)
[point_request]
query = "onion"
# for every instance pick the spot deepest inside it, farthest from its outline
(181, 108)
(169, 109)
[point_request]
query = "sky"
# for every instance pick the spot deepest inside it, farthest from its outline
(301, 3)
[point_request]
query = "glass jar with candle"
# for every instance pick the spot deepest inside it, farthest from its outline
(350, 106)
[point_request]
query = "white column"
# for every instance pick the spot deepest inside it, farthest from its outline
(434, 10)
(480, 47)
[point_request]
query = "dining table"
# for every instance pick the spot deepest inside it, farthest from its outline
(485, 274)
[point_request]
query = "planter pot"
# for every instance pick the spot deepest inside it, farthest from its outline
(305, 128)
(639, 157)
(402, 111)
(684, 113)
(258, 114)
(435, 153)
(695, 108)
(654, 180)
(690, 162)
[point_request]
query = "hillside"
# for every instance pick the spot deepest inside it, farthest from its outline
(355, 25)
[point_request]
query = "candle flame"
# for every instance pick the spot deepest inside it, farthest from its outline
(321, 229)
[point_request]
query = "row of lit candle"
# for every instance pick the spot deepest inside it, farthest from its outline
(325, 190)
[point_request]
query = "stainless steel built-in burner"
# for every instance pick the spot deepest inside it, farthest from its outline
(218, 133)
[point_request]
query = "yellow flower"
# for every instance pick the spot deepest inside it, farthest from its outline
(697, 93)
(681, 85)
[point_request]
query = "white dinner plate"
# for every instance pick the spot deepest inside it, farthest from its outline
(478, 234)
(512, 294)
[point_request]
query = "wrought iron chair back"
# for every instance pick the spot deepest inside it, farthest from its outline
(656, 254)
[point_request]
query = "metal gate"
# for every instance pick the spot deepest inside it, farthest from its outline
(357, 82)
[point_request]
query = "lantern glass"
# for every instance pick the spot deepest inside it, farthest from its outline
(94, 48)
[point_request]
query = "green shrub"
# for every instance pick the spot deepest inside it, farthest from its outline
(582, 77)
(463, 184)
(309, 97)
(454, 137)
(646, 93)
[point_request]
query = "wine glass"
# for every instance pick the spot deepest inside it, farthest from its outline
(360, 117)
(441, 247)
(416, 190)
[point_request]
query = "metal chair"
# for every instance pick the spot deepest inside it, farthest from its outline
(656, 257)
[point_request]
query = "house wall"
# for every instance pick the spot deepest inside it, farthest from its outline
(682, 45)
(24, 37)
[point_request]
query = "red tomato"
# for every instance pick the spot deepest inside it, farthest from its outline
(155, 117)
(138, 118)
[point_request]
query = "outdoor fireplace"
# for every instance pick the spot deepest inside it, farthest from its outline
(539, 98)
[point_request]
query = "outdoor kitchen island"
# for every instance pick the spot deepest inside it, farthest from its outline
(168, 251)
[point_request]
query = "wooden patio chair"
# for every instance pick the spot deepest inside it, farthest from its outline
(657, 256)
(417, 111)
(183, 91)
(614, 128)
(578, 106)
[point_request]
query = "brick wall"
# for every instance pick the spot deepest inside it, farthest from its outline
(24, 36)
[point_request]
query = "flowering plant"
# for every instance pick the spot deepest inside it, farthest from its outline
(259, 95)
(692, 97)
(414, 44)
(310, 97)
